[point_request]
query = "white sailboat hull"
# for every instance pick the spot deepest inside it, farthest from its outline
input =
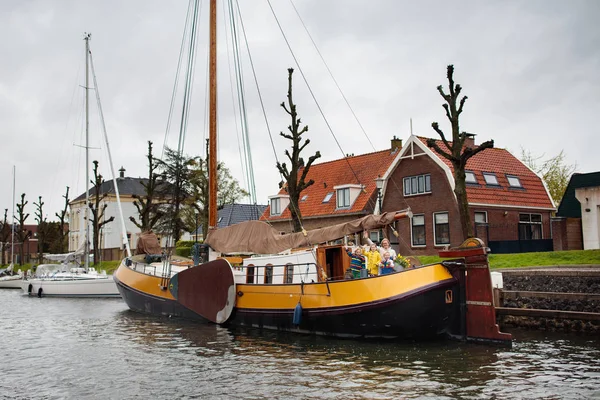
(11, 282)
(102, 286)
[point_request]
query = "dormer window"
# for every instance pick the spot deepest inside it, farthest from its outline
(343, 198)
(514, 181)
(346, 195)
(470, 177)
(275, 207)
(278, 204)
(490, 179)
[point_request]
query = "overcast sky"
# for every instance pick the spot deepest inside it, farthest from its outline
(529, 68)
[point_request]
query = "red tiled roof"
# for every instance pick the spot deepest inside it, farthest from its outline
(501, 162)
(367, 168)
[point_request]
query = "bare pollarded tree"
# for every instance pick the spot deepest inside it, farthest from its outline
(295, 184)
(456, 151)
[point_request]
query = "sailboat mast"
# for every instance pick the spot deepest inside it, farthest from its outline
(12, 234)
(212, 131)
(87, 152)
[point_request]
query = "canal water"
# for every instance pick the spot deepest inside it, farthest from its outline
(98, 349)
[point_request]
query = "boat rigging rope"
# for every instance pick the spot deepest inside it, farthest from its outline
(311, 92)
(242, 104)
(332, 77)
(189, 79)
(112, 169)
(176, 84)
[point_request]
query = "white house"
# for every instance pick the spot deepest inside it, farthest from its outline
(111, 242)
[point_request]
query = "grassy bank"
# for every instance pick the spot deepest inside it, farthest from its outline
(548, 258)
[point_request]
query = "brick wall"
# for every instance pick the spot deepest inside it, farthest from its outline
(441, 198)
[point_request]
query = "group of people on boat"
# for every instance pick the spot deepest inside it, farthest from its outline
(374, 260)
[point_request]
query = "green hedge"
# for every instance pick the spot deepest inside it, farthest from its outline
(183, 251)
(186, 243)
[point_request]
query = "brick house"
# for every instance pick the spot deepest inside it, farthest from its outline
(509, 203)
(344, 190)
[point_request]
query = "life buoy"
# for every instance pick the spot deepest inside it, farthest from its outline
(29, 289)
(40, 291)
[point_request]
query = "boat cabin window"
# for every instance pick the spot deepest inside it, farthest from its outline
(289, 273)
(250, 274)
(268, 274)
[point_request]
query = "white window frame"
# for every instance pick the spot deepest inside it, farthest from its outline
(435, 243)
(412, 241)
(490, 174)
(276, 210)
(409, 181)
(470, 173)
(540, 224)
(510, 184)
(480, 212)
(342, 196)
(328, 197)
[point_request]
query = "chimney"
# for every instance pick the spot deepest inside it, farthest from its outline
(396, 143)
(122, 172)
(469, 140)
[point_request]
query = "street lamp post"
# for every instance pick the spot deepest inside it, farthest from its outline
(379, 183)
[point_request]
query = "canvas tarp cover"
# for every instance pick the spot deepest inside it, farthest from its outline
(148, 244)
(258, 237)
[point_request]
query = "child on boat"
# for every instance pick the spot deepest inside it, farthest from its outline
(357, 261)
(373, 259)
(387, 264)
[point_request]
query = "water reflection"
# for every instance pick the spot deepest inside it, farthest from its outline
(65, 348)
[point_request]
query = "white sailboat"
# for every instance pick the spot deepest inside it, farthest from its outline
(8, 278)
(69, 279)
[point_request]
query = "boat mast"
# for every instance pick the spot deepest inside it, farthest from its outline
(86, 252)
(212, 160)
(12, 234)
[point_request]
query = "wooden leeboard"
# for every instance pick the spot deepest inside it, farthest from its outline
(208, 290)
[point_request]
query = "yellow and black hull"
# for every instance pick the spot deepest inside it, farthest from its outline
(143, 293)
(416, 303)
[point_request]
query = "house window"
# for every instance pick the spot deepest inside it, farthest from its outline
(490, 179)
(304, 197)
(343, 198)
(441, 228)
(417, 184)
(470, 177)
(250, 274)
(480, 217)
(268, 274)
(418, 230)
(481, 226)
(374, 236)
(514, 181)
(289, 273)
(275, 207)
(327, 197)
(530, 226)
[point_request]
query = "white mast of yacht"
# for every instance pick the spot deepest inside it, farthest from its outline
(12, 232)
(86, 252)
